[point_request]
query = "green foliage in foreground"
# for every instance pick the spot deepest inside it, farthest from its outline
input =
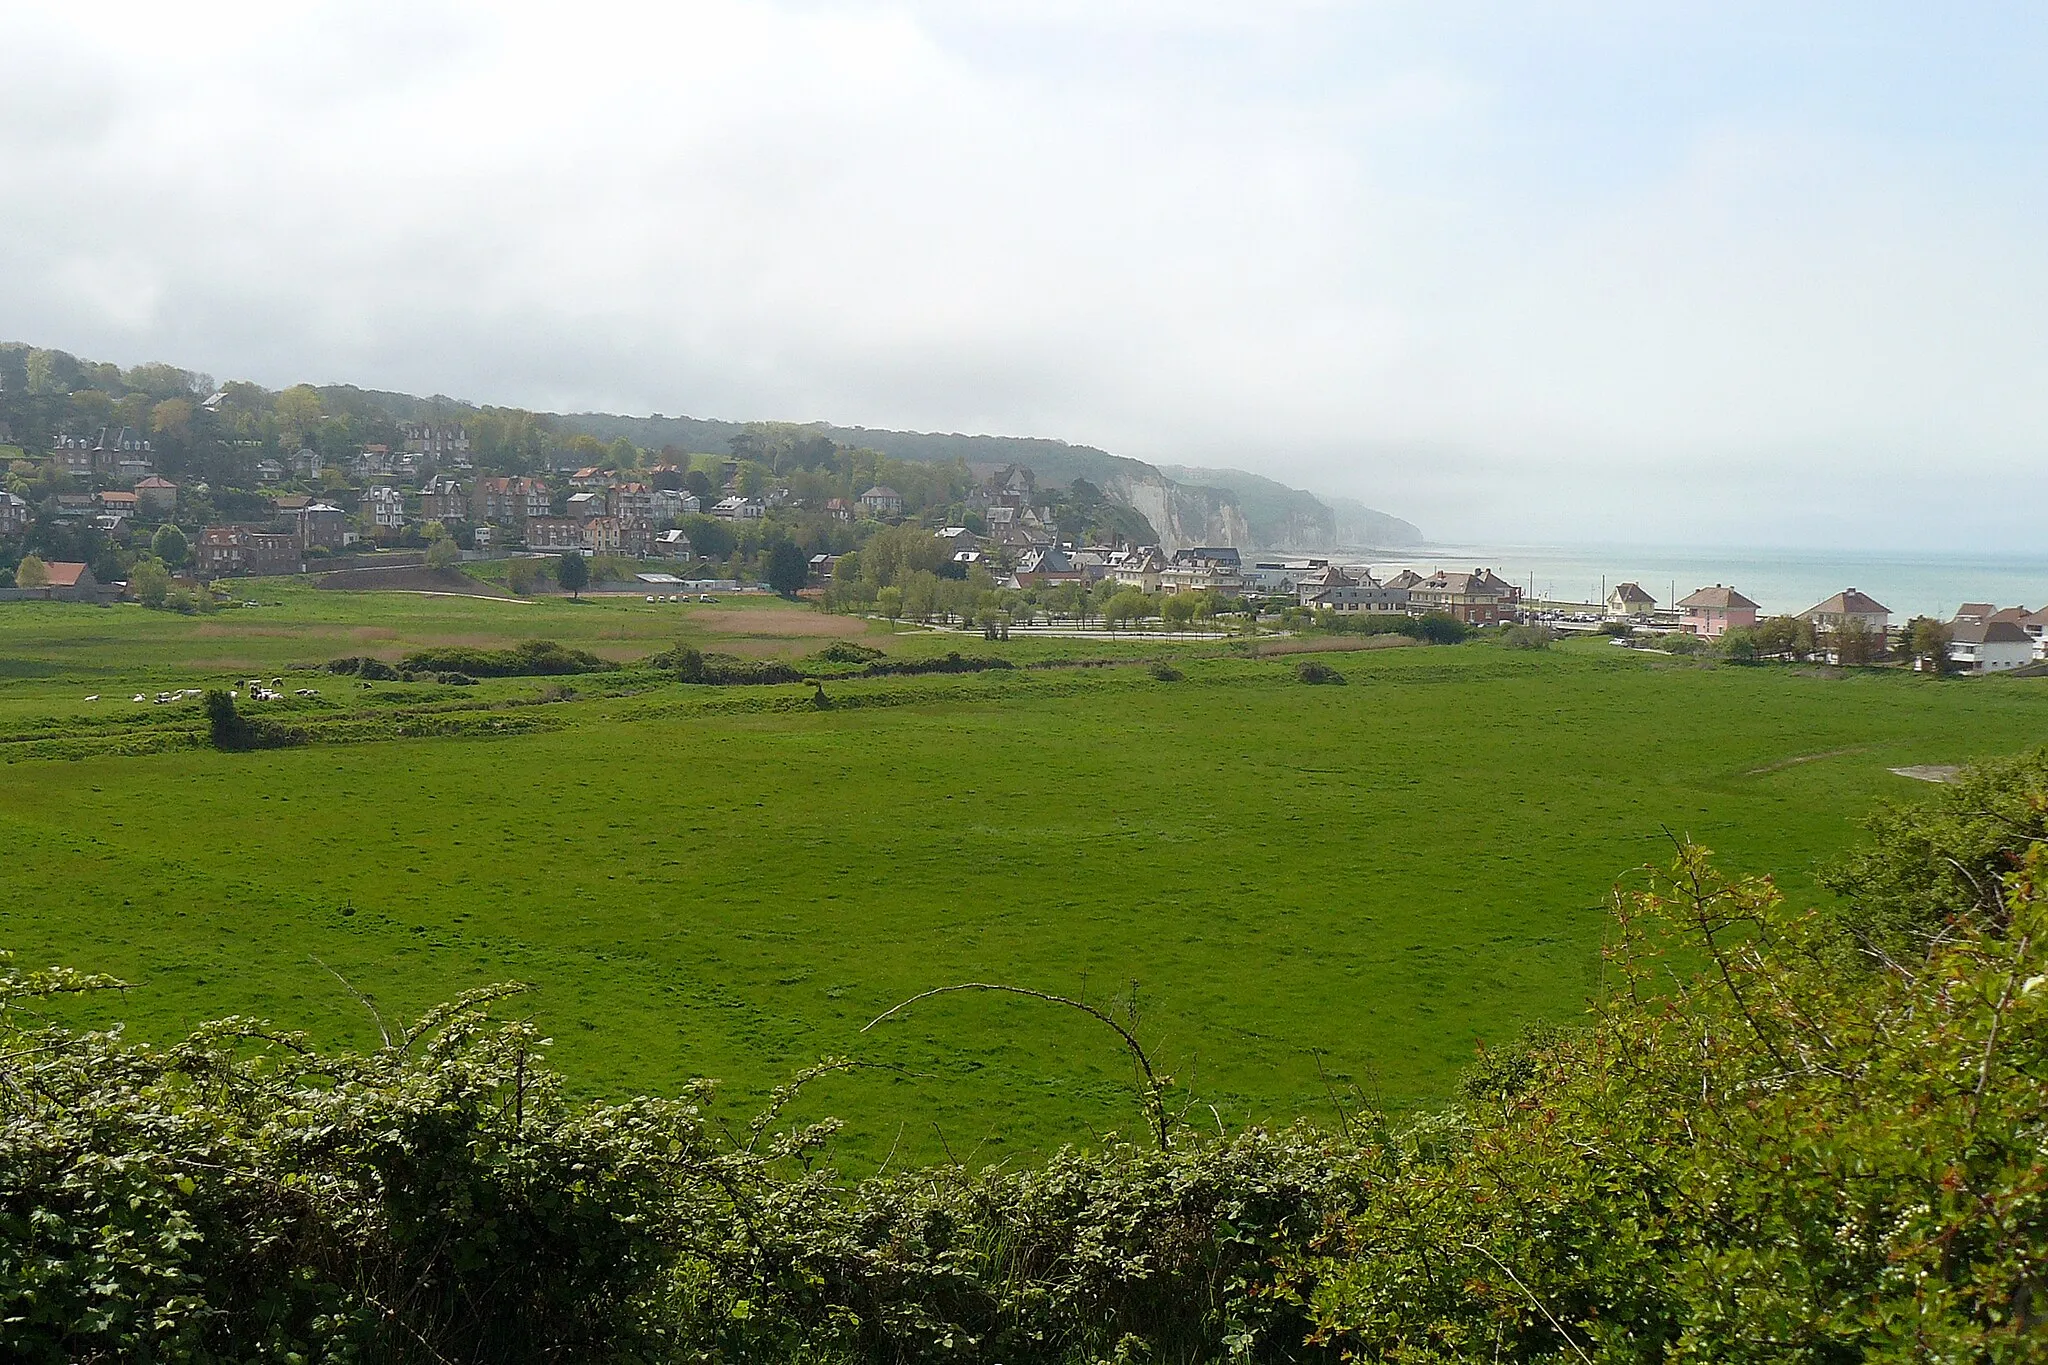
(1796, 1153)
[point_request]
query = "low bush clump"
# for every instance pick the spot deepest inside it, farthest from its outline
(846, 652)
(1165, 672)
(364, 667)
(1527, 637)
(1317, 672)
(528, 659)
(230, 729)
(952, 662)
(693, 666)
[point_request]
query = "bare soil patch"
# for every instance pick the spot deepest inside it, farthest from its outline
(1930, 772)
(452, 581)
(780, 624)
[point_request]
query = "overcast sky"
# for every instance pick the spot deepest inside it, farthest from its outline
(1555, 272)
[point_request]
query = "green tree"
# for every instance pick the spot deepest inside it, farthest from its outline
(1855, 643)
(169, 545)
(150, 581)
(31, 572)
(890, 602)
(443, 554)
(298, 412)
(1739, 645)
(1929, 642)
(1177, 611)
(788, 569)
(572, 571)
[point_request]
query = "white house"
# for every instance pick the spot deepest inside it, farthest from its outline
(1628, 602)
(1989, 646)
(1850, 605)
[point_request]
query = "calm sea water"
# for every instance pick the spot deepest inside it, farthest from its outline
(1778, 580)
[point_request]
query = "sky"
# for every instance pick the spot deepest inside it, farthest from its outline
(1727, 273)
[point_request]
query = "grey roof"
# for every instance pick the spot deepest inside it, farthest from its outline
(1989, 632)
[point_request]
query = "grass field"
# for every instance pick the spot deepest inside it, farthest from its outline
(1355, 883)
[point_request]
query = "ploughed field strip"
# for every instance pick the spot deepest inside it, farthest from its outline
(1290, 889)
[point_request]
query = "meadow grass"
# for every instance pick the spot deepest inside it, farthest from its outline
(1314, 889)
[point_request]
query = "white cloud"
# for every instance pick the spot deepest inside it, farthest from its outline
(1300, 238)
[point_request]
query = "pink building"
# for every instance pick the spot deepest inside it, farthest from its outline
(1710, 611)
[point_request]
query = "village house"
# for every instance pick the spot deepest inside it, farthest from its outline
(1710, 612)
(69, 582)
(604, 536)
(590, 479)
(122, 504)
(306, 463)
(882, 502)
(1368, 598)
(674, 544)
(839, 509)
(75, 506)
(671, 505)
(509, 501)
(373, 462)
(14, 515)
(1046, 567)
(632, 503)
(1407, 578)
(288, 504)
(385, 507)
(1200, 575)
(1312, 583)
(1628, 602)
(819, 570)
(1850, 605)
(1989, 645)
(269, 471)
(1138, 568)
(157, 494)
(112, 453)
(737, 509)
(1477, 599)
(233, 550)
(956, 538)
(555, 533)
(319, 524)
(583, 506)
(443, 499)
(435, 441)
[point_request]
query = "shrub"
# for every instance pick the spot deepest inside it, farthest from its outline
(846, 652)
(953, 662)
(365, 667)
(1165, 672)
(1318, 672)
(231, 730)
(1526, 637)
(528, 659)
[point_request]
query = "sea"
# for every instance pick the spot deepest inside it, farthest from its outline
(1779, 581)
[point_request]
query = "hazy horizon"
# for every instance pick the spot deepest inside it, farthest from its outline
(1724, 273)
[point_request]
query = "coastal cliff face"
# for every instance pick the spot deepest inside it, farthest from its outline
(1183, 515)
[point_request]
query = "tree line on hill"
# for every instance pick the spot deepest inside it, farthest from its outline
(1777, 1134)
(212, 439)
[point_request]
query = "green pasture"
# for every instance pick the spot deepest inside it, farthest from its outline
(1316, 890)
